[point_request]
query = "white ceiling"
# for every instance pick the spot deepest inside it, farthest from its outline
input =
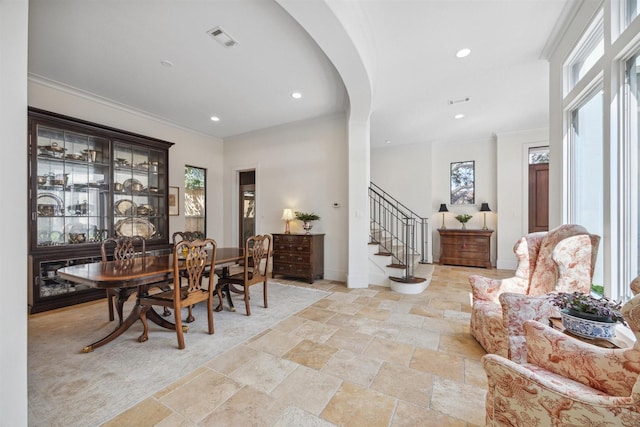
(113, 49)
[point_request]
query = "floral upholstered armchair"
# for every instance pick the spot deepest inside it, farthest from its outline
(561, 260)
(566, 382)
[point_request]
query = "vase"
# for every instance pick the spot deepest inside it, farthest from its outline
(464, 226)
(587, 328)
(307, 226)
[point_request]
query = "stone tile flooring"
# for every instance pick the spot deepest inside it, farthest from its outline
(359, 357)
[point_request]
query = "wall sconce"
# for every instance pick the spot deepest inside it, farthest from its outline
(485, 208)
(287, 215)
(443, 209)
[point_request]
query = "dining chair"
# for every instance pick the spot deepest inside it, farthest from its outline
(121, 248)
(257, 262)
(189, 236)
(194, 263)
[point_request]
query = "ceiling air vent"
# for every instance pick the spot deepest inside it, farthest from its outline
(222, 37)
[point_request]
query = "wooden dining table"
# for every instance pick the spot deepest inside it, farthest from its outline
(138, 273)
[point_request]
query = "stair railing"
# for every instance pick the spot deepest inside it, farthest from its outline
(397, 230)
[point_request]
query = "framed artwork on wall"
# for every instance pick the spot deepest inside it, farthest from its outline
(174, 201)
(462, 183)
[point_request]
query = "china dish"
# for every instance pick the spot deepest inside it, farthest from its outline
(49, 205)
(132, 185)
(135, 227)
(125, 207)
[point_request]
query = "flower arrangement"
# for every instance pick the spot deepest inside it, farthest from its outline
(579, 304)
(306, 217)
(464, 218)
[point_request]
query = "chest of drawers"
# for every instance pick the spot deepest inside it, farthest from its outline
(471, 248)
(299, 255)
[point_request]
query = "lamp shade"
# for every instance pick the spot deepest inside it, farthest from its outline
(485, 208)
(287, 215)
(443, 208)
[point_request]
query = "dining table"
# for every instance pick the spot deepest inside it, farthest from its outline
(138, 274)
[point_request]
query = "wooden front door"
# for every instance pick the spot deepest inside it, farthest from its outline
(539, 197)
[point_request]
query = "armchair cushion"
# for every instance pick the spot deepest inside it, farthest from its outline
(561, 260)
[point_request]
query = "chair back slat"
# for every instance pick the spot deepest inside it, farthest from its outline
(124, 247)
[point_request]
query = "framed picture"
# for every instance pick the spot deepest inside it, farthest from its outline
(462, 181)
(174, 201)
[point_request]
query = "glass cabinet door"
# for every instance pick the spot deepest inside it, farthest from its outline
(72, 187)
(139, 191)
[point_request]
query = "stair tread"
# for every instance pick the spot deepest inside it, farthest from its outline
(407, 279)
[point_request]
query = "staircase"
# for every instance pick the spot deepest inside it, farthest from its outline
(398, 245)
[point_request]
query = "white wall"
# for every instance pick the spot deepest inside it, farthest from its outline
(302, 166)
(190, 147)
(418, 176)
(13, 263)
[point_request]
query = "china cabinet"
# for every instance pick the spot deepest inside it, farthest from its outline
(88, 182)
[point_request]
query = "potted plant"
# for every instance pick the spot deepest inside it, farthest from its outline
(307, 219)
(464, 218)
(588, 316)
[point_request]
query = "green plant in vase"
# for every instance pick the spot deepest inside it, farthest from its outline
(588, 316)
(464, 218)
(307, 219)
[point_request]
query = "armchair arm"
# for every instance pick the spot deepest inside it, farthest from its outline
(516, 310)
(611, 371)
(487, 289)
(512, 381)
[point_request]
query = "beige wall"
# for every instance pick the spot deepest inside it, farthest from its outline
(190, 148)
(302, 166)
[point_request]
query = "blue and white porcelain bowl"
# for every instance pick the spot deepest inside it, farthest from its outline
(588, 328)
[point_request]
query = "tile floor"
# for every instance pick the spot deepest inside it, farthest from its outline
(358, 357)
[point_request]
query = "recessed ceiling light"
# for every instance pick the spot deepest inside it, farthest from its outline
(296, 95)
(166, 63)
(463, 52)
(215, 118)
(388, 141)
(458, 116)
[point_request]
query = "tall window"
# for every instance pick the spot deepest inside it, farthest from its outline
(631, 171)
(587, 170)
(195, 184)
(587, 52)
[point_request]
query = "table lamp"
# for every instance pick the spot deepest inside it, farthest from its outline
(443, 209)
(485, 208)
(287, 215)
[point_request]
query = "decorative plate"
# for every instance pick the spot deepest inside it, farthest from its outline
(135, 227)
(125, 207)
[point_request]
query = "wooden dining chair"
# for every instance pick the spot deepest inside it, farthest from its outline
(189, 236)
(194, 264)
(257, 262)
(121, 248)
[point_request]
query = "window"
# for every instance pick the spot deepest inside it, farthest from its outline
(630, 167)
(538, 155)
(195, 184)
(587, 170)
(631, 10)
(587, 52)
